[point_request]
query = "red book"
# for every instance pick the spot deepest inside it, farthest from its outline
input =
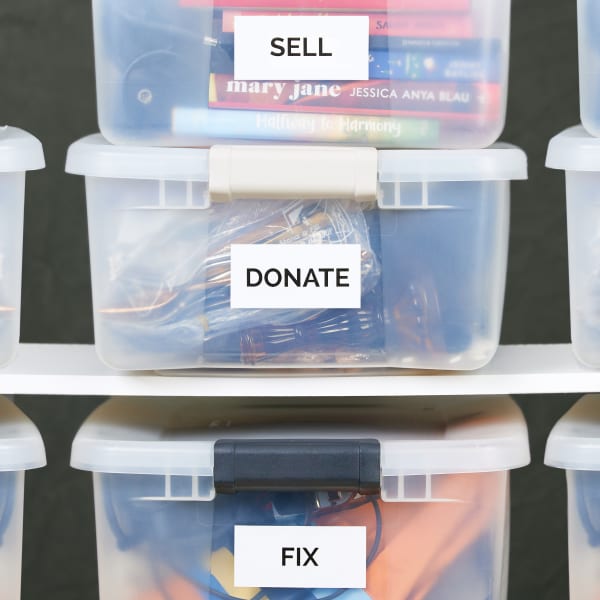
(385, 98)
(439, 6)
(393, 24)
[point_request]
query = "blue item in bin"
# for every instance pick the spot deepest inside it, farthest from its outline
(8, 483)
(426, 311)
(183, 537)
(590, 65)
(591, 10)
(587, 491)
(470, 572)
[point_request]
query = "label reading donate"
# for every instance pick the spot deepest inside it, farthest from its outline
(296, 276)
(300, 557)
(301, 48)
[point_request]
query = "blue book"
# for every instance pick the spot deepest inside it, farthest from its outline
(410, 59)
(435, 65)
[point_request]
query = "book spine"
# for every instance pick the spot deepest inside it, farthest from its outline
(385, 98)
(393, 24)
(474, 64)
(434, 66)
(417, 6)
(309, 127)
(474, 46)
(408, 59)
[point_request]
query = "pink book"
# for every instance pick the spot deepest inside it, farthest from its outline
(439, 6)
(398, 25)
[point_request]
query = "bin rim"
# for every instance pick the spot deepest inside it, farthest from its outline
(418, 436)
(19, 151)
(21, 445)
(93, 156)
(574, 442)
(574, 149)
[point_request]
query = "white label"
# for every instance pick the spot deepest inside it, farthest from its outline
(302, 48)
(296, 276)
(301, 557)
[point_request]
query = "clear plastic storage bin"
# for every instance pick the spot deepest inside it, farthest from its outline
(361, 500)
(21, 449)
(19, 152)
(589, 64)
(397, 73)
(297, 255)
(578, 154)
(574, 445)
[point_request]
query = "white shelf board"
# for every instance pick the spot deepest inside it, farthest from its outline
(76, 371)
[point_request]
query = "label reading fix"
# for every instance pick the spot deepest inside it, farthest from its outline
(300, 557)
(309, 48)
(296, 276)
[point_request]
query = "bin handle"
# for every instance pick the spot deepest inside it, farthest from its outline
(292, 173)
(276, 465)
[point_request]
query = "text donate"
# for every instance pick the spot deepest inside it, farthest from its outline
(323, 277)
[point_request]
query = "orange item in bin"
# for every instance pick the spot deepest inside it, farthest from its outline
(176, 588)
(420, 540)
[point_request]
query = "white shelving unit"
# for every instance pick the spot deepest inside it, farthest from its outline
(76, 371)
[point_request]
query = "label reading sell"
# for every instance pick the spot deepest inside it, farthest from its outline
(296, 276)
(300, 557)
(301, 48)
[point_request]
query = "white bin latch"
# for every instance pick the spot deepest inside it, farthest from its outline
(292, 173)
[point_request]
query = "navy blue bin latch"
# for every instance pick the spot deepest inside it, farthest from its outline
(297, 466)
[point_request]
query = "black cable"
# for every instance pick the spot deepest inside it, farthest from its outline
(378, 533)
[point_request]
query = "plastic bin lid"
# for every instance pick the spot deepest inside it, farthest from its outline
(574, 150)
(21, 445)
(500, 162)
(418, 436)
(574, 443)
(93, 156)
(19, 151)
